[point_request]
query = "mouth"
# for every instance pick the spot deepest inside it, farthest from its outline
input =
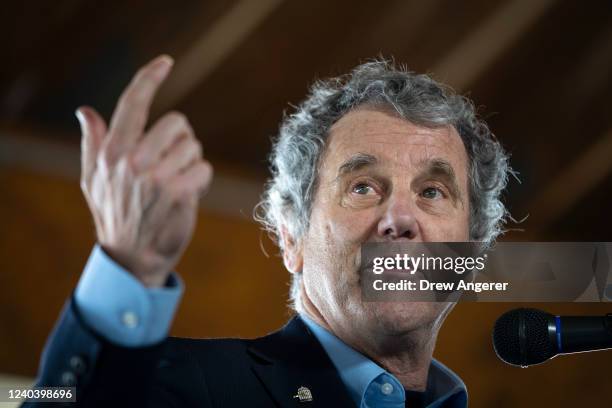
(392, 275)
(403, 274)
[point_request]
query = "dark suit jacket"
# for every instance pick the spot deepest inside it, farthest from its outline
(180, 372)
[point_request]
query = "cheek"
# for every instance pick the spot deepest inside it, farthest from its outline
(352, 226)
(334, 242)
(447, 229)
(338, 225)
(329, 242)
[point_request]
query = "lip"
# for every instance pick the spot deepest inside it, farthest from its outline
(403, 272)
(398, 274)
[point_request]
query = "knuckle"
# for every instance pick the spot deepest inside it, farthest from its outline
(154, 178)
(83, 185)
(139, 117)
(181, 121)
(107, 156)
(150, 186)
(177, 116)
(144, 76)
(125, 99)
(131, 96)
(197, 148)
(149, 75)
(155, 185)
(134, 161)
(157, 178)
(142, 71)
(123, 166)
(176, 194)
(207, 169)
(172, 193)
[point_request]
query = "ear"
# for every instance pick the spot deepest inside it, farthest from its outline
(292, 251)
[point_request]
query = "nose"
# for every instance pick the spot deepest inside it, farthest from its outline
(399, 221)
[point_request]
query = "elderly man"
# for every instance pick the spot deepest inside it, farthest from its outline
(379, 155)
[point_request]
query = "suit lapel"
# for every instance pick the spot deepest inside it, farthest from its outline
(292, 358)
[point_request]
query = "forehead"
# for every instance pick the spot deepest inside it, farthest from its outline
(392, 140)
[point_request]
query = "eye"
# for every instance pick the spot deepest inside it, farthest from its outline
(363, 189)
(432, 193)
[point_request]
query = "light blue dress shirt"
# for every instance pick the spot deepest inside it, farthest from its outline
(371, 386)
(116, 305)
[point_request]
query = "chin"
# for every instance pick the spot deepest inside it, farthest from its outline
(398, 318)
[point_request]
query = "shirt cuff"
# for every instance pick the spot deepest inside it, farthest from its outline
(120, 308)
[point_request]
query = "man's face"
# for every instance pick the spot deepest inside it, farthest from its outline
(381, 179)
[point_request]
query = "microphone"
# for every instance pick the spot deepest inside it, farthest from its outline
(524, 337)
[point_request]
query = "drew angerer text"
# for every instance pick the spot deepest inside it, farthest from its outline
(425, 285)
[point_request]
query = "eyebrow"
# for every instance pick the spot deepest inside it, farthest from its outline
(441, 169)
(356, 162)
(433, 168)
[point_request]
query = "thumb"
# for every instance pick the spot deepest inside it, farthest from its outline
(93, 131)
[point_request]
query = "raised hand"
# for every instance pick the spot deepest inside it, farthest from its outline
(142, 187)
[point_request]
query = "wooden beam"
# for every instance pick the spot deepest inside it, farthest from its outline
(572, 184)
(209, 51)
(467, 61)
(470, 59)
(591, 73)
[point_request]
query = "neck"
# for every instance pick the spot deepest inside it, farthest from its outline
(406, 355)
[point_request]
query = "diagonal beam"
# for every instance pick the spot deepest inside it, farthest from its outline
(209, 51)
(573, 183)
(467, 61)
(470, 59)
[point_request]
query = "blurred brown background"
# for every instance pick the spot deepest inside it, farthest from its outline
(539, 70)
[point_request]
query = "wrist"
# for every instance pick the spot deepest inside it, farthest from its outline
(153, 280)
(150, 274)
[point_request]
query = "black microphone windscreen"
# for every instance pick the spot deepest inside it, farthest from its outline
(521, 337)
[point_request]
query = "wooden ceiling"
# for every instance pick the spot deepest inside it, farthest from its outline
(538, 69)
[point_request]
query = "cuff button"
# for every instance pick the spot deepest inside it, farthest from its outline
(68, 379)
(78, 365)
(129, 319)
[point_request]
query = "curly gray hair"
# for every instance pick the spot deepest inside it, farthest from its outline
(296, 152)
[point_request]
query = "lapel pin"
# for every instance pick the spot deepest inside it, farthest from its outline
(303, 394)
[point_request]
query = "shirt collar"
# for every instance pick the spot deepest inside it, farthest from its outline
(358, 373)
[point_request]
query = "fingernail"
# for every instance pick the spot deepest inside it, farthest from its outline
(165, 58)
(163, 64)
(80, 116)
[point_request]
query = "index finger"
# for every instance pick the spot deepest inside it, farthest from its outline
(130, 116)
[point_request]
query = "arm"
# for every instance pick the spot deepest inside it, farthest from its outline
(143, 191)
(109, 362)
(106, 374)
